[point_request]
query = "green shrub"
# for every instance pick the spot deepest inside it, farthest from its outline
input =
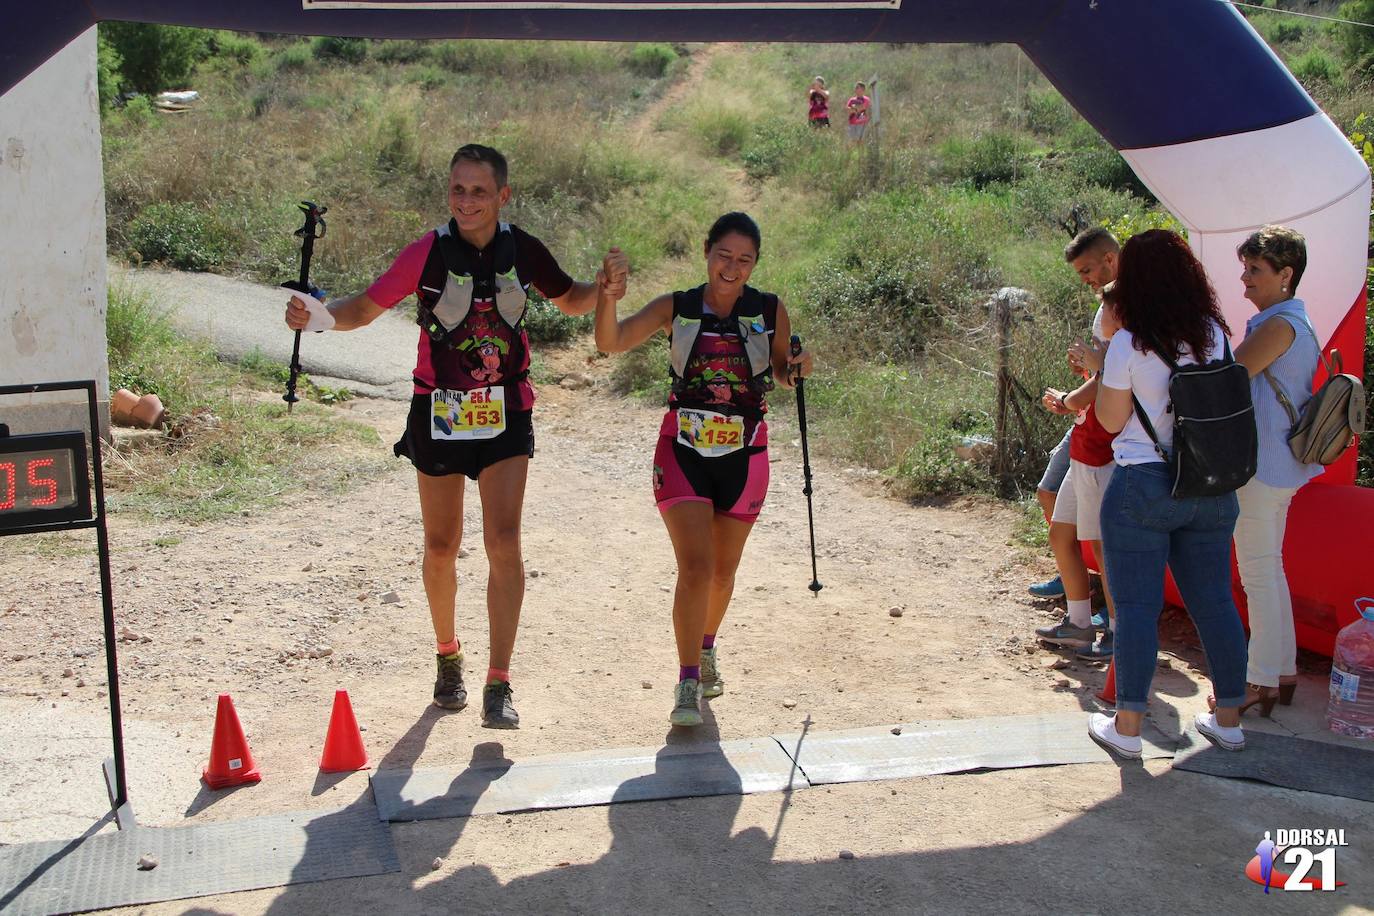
(546, 324)
(239, 48)
(429, 77)
(930, 467)
(107, 64)
(989, 158)
(772, 145)
(148, 357)
(1107, 168)
(337, 48)
(397, 143)
(293, 58)
(137, 112)
(181, 235)
(1047, 114)
(1315, 65)
(905, 262)
(722, 131)
(403, 52)
(651, 59)
(155, 57)
(1283, 32)
(1129, 224)
(1357, 42)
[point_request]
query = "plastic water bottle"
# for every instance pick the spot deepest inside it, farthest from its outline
(1350, 710)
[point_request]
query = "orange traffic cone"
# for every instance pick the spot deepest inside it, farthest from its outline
(343, 744)
(231, 762)
(1108, 692)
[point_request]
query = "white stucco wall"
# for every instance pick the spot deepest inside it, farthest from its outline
(52, 240)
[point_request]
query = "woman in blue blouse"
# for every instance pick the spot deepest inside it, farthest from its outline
(1281, 352)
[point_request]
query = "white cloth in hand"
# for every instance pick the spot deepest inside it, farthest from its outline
(321, 319)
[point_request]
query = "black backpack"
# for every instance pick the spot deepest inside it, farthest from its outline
(1215, 442)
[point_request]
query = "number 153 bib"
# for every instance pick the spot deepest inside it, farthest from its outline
(468, 415)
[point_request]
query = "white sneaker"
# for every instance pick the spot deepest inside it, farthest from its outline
(687, 709)
(1102, 729)
(1231, 739)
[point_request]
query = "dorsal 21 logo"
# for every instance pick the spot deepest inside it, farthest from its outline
(1310, 852)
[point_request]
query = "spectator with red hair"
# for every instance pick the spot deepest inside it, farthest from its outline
(1169, 314)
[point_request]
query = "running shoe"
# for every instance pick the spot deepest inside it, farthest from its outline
(688, 709)
(449, 692)
(497, 709)
(1100, 651)
(1230, 739)
(1051, 589)
(712, 684)
(1102, 729)
(1065, 633)
(1100, 620)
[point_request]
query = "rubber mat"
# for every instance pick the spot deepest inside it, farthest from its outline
(1294, 763)
(102, 871)
(952, 746)
(587, 778)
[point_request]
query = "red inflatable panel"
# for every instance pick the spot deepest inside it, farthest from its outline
(1349, 339)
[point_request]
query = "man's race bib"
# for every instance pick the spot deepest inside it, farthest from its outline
(711, 434)
(467, 415)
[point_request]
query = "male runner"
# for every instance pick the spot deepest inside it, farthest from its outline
(471, 413)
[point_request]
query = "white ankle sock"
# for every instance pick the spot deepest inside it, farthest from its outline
(1080, 612)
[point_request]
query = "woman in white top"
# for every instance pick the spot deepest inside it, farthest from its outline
(1165, 305)
(1281, 353)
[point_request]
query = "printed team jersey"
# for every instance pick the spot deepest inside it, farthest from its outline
(717, 378)
(489, 351)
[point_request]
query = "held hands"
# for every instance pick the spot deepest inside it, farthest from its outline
(1053, 401)
(613, 277)
(1087, 357)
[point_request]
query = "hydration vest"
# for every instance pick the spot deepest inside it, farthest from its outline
(756, 314)
(448, 285)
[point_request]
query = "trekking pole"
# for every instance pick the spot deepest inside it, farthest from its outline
(314, 220)
(815, 585)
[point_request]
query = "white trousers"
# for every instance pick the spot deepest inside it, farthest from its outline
(1259, 556)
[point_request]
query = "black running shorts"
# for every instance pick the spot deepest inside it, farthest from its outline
(441, 457)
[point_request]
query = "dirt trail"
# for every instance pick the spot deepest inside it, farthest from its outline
(697, 65)
(282, 607)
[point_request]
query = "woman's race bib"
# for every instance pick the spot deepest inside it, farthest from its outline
(710, 433)
(468, 415)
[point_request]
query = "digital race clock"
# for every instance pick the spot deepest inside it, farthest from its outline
(43, 480)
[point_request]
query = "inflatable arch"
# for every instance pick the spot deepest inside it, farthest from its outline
(1199, 106)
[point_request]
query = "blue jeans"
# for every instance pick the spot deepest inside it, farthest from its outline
(1143, 528)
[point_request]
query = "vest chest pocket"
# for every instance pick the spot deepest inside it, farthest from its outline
(511, 298)
(455, 302)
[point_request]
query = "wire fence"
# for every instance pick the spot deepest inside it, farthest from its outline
(1024, 346)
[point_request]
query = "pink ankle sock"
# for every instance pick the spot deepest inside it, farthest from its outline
(447, 648)
(498, 674)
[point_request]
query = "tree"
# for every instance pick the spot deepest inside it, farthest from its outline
(155, 57)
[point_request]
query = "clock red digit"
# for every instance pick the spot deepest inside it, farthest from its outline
(7, 472)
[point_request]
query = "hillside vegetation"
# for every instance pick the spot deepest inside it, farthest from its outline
(886, 253)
